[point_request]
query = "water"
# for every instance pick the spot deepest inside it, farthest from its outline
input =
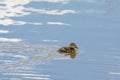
(31, 32)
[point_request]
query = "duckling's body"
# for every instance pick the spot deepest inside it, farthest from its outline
(64, 50)
(68, 50)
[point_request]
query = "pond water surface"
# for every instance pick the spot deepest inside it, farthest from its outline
(31, 32)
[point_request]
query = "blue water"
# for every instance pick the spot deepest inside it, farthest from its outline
(94, 27)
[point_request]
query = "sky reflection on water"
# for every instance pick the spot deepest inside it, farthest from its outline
(31, 31)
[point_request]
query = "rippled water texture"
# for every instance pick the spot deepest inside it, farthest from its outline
(32, 31)
(18, 60)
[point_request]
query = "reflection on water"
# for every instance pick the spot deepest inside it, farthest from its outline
(17, 61)
(73, 55)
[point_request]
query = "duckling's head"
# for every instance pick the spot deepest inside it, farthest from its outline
(73, 45)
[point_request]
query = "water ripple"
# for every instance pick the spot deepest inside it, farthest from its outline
(18, 61)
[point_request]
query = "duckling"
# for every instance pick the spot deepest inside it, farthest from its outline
(71, 49)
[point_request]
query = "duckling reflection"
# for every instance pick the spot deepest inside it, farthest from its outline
(70, 50)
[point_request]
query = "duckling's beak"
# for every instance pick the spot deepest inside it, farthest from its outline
(76, 47)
